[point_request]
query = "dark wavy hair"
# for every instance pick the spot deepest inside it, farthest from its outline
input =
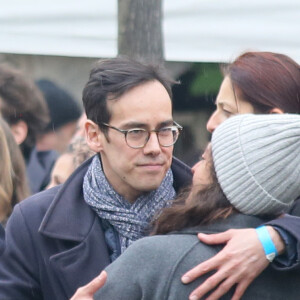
(197, 205)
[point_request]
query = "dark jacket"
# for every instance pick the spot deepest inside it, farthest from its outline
(55, 242)
(2, 238)
(39, 167)
(151, 268)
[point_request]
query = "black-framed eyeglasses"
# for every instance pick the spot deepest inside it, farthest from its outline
(138, 137)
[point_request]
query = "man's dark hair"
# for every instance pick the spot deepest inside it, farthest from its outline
(111, 78)
(20, 99)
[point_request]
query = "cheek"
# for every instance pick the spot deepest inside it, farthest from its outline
(168, 152)
(198, 173)
(246, 108)
(201, 174)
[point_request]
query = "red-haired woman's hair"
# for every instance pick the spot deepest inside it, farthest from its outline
(266, 80)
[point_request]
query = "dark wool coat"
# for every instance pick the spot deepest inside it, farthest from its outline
(55, 243)
(39, 169)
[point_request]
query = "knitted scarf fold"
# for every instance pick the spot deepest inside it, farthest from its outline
(131, 221)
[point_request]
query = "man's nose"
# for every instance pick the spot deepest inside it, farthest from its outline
(152, 146)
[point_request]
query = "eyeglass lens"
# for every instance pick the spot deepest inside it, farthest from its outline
(138, 137)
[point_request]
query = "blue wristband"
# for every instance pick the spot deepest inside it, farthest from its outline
(267, 243)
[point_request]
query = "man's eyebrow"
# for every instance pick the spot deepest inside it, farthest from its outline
(166, 123)
(134, 124)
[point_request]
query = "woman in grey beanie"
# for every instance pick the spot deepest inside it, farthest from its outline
(249, 175)
(260, 83)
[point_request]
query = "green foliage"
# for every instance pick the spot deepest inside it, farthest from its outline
(207, 79)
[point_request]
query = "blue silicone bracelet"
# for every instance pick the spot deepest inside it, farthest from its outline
(267, 243)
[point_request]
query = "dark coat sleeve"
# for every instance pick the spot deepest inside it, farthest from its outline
(18, 264)
(291, 225)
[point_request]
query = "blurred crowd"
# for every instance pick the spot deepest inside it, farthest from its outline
(42, 136)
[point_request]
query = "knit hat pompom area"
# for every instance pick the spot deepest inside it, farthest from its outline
(257, 161)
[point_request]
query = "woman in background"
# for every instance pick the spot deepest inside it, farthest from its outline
(260, 83)
(78, 151)
(13, 182)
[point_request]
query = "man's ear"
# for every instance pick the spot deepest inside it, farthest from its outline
(276, 110)
(19, 131)
(94, 136)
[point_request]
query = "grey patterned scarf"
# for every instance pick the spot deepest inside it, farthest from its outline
(130, 220)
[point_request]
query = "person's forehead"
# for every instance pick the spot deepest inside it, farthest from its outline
(226, 89)
(146, 103)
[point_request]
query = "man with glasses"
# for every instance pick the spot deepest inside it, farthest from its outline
(60, 239)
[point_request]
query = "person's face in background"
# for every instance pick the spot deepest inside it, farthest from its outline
(63, 168)
(80, 131)
(64, 136)
(202, 176)
(228, 104)
(201, 170)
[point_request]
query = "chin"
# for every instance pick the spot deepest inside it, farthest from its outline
(149, 187)
(150, 182)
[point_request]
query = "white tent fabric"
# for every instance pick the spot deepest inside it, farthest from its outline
(194, 30)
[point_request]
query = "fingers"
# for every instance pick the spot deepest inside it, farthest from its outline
(206, 286)
(87, 292)
(238, 263)
(203, 268)
(223, 287)
(213, 263)
(218, 238)
(223, 279)
(96, 283)
(240, 289)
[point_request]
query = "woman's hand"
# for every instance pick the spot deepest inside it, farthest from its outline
(239, 263)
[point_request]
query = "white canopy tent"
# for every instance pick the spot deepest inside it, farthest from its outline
(194, 30)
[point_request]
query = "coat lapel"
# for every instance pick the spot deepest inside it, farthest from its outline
(76, 231)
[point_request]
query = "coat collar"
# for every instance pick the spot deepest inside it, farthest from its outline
(70, 218)
(234, 221)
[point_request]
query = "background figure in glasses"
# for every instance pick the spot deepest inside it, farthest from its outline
(62, 238)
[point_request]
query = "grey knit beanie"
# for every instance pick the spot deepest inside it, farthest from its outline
(257, 161)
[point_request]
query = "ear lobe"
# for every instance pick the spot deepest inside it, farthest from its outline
(19, 131)
(93, 136)
(276, 110)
